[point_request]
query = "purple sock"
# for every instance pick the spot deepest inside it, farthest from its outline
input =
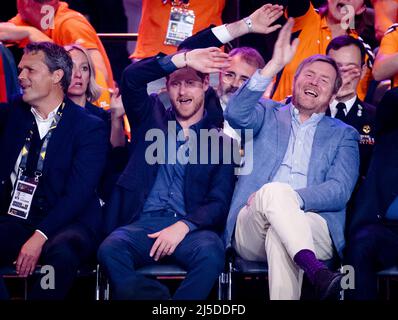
(307, 261)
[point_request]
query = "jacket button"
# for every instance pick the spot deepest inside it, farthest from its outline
(3, 182)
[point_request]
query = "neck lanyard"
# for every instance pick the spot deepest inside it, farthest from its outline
(43, 150)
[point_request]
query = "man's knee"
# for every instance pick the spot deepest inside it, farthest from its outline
(274, 189)
(212, 253)
(109, 248)
(61, 255)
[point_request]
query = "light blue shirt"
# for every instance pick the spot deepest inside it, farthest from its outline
(294, 167)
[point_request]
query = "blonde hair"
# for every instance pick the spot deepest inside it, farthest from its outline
(93, 91)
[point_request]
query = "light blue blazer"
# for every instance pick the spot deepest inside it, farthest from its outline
(333, 167)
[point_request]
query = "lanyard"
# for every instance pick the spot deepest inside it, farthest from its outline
(43, 150)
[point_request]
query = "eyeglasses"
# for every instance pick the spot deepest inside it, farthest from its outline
(229, 77)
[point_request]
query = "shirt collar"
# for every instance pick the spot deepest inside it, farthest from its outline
(348, 105)
(201, 124)
(50, 117)
(324, 23)
(314, 119)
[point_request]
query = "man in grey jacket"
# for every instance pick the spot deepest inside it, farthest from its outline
(290, 209)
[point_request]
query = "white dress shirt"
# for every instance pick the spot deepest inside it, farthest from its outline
(348, 106)
(43, 126)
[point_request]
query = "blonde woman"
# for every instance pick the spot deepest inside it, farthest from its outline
(84, 90)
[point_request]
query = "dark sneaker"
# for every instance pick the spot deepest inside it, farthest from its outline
(328, 284)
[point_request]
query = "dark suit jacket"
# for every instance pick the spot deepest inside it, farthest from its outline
(208, 188)
(362, 116)
(74, 162)
(381, 184)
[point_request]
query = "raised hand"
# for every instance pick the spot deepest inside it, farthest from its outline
(117, 108)
(284, 51)
(205, 60)
(264, 17)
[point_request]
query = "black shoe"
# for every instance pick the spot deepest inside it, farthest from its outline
(328, 284)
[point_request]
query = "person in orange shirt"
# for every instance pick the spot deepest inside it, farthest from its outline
(386, 13)
(386, 63)
(154, 28)
(52, 20)
(315, 30)
(155, 18)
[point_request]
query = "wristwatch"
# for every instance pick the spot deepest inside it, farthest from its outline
(249, 23)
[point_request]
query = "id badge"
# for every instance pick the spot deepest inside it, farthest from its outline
(180, 26)
(22, 197)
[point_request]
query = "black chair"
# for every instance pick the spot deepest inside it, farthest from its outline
(237, 266)
(159, 271)
(387, 275)
(85, 271)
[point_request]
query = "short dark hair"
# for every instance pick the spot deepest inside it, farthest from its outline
(322, 58)
(250, 55)
(55, 57)
(200, 74)
(345, 41)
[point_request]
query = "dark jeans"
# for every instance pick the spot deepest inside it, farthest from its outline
(369, 250)
(126, 249)
(65, 252)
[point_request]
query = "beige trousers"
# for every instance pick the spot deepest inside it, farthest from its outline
(273, 228)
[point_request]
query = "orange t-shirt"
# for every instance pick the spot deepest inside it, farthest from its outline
(314, 37)
(389, 45)
(72, 27)
(154, 23)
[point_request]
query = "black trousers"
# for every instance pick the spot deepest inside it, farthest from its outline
(369, 250)
(71, 247)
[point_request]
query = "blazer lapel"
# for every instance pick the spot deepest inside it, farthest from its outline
(352, 114)
(324, 132)
(284, 123)
(60, 133)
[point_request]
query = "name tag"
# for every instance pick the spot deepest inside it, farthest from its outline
(22, 197)
(180, 26)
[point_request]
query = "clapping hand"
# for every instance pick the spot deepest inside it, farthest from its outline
(264, 17)
(284, 51)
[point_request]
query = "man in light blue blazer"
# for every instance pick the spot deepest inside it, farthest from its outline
(289, 209)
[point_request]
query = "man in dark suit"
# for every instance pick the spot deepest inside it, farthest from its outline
(373, 234)
(169, 209)
(52, 156)
(349, 53)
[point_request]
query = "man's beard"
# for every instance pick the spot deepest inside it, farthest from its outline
(196, 108)
(227, 94)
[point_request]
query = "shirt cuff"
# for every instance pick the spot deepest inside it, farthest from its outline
(190, 225)
(166, 64)
(222, 33)
(258, 83)
(42, 233)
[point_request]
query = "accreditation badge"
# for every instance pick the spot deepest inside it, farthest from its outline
(22, 197)
(180, 26)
